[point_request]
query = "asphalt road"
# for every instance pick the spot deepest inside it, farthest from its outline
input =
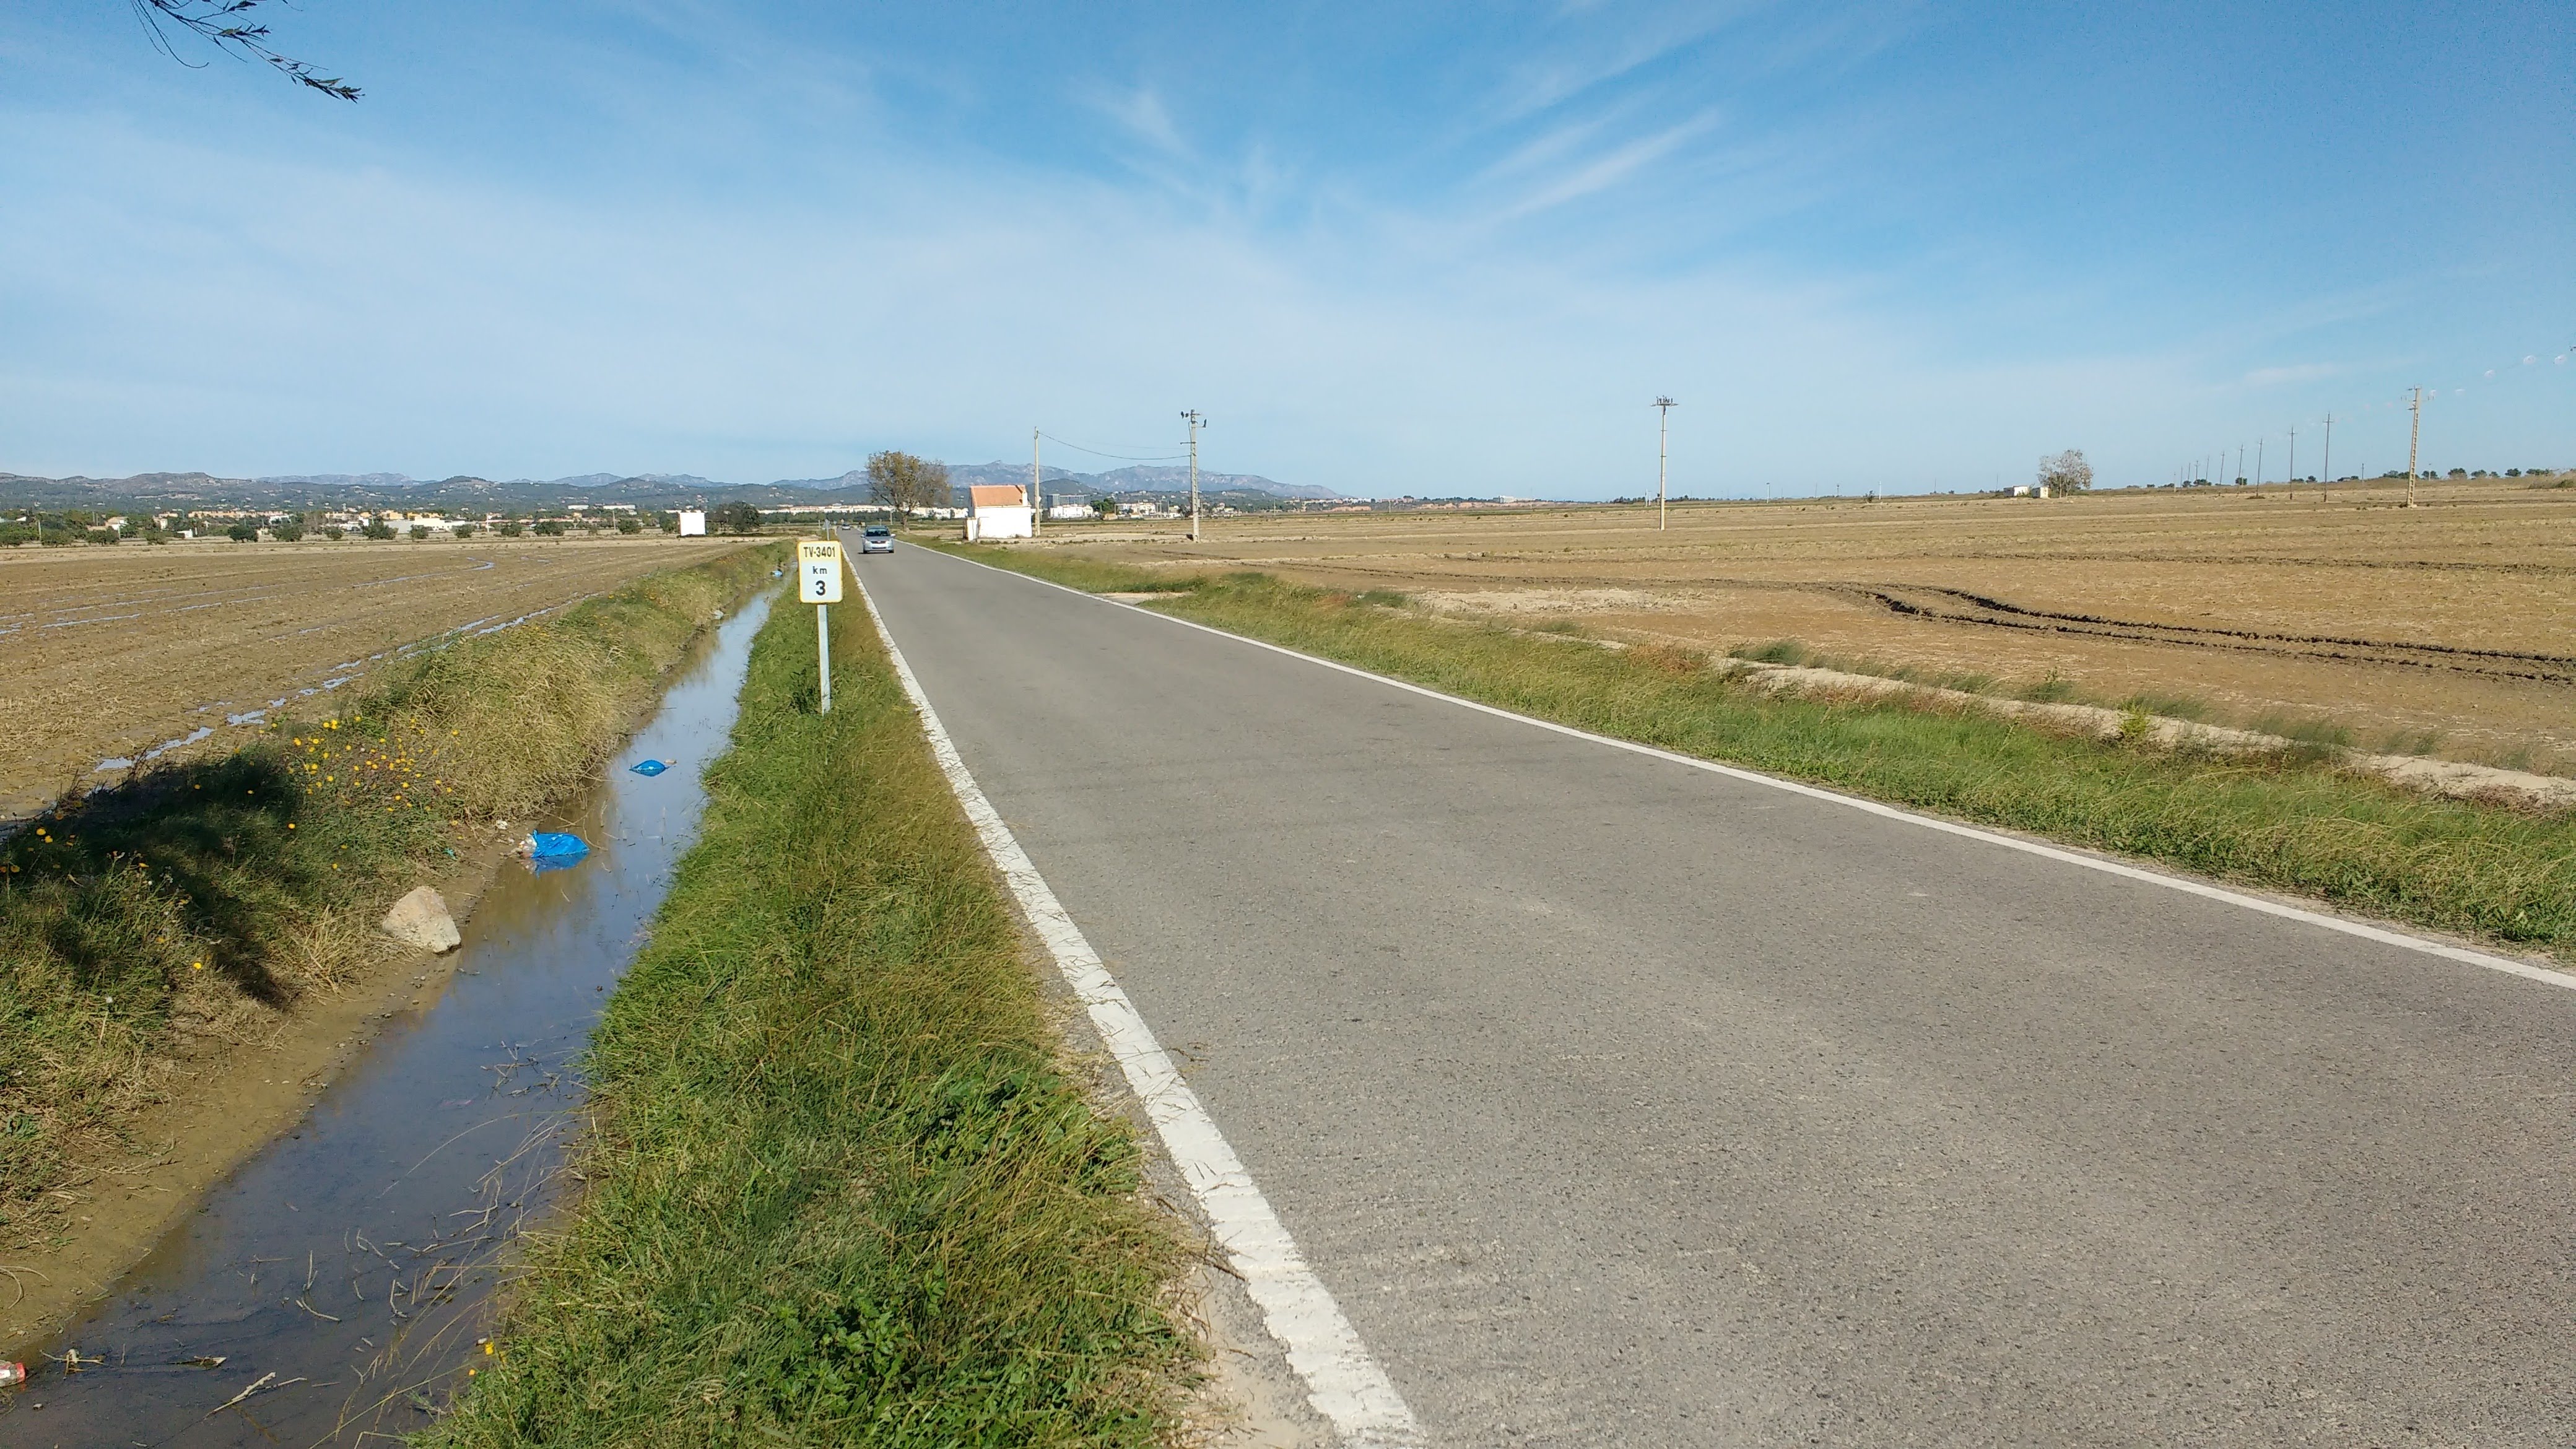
(1623, 1103)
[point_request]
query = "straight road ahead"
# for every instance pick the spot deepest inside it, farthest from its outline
(1619, 1102)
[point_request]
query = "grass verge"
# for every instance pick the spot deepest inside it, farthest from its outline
(835, 1190)
(195, 901)
(2291, 823)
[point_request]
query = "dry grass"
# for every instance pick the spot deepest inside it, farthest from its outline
(2336, 610)
(113, 651)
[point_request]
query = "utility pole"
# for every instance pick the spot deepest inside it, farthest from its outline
(2325, 473)
(1663, 454)
(2414, 431)
(1037, 505)
(2258, 462)
(1196, 422)
(2294, 462)
(2240, 460)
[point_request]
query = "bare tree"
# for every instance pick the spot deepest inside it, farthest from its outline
(2065, 472)
(227, 26)
(904, 483)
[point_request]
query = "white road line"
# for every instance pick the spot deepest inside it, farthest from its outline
(2563, 980)
(1343, 1382)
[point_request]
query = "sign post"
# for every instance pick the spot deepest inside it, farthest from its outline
(818, 582)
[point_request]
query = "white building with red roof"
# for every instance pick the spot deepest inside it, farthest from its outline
(999, 511)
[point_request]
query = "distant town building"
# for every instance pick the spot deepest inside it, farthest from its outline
(1069, 510)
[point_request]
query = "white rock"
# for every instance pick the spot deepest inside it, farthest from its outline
(421, 919)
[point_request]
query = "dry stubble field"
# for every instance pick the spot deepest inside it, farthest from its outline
(113, 651)
(2448, 629)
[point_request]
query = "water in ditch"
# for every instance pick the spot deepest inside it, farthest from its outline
(334, 1289)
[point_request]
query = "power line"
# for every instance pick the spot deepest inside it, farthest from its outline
(2413, 399)
(1121, 457)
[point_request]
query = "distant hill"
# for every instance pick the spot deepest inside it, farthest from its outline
(1165, 478)
(644, 490)
(1130, 480)
(385, 490)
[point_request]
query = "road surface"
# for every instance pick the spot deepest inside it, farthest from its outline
(1622, 1103)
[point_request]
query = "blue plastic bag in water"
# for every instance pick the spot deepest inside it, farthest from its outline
(649, 767)
(550, 850)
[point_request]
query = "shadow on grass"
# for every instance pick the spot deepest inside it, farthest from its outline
(212, 840)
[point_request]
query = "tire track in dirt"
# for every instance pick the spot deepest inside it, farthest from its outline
(1934, 603)
(1959, 606)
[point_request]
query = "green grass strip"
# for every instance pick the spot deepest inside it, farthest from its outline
(2291, 823)
(193, 900)
(836, 1191)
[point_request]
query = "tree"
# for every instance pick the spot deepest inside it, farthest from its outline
(1106, 507)
(243, 532)
(507, 528)
(736, 517)
(377, 529)
(628, 523)
(906, 484)
(2065, 472)
(287, 529)
(227, 26)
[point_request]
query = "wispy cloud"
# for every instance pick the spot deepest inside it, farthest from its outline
(1574, 64)
(1602, 172)
(1142, 114)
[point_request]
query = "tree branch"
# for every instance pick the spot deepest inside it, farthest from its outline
(227, 26)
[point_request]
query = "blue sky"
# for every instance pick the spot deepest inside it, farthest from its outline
(1430, 249)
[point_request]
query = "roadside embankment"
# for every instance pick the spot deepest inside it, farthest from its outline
(154, 934)
(835, 1187)
(2294, 821)
(2457, 779)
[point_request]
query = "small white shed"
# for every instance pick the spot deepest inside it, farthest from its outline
(693, 523)
(999, 511)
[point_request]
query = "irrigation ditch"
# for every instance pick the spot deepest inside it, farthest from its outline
(336, 1285)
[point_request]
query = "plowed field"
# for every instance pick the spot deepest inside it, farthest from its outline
(115, 652)
(2447, 629)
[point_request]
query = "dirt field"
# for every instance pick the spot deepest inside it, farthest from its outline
(2448, 629)
(113, 652)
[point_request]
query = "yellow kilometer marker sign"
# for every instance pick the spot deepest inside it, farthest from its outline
(818, 567)
(818, 582)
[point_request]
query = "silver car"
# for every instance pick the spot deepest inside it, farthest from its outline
(876, 538)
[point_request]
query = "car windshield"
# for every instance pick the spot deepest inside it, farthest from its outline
(879, 531)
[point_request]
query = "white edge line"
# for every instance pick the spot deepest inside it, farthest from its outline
(2506, 964)
(1343, 1381)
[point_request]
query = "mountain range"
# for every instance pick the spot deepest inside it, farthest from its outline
(645, 490)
